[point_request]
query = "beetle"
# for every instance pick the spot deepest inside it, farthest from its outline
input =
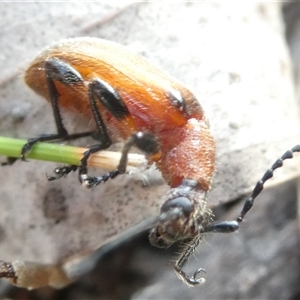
(129, 99)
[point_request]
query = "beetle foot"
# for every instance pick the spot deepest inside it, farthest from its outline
(61, 171)
(193, 280)
(90, 181)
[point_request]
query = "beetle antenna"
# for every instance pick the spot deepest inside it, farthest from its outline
(260, 184)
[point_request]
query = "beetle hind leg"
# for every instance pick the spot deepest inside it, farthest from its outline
(145, 141)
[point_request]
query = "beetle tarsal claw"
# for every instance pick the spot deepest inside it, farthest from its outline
(87, 181)
(193, 280)
(59, 172)
(200, 280)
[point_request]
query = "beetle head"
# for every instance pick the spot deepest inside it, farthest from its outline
(182, 216)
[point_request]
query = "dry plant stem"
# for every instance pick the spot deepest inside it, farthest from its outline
(32, 275)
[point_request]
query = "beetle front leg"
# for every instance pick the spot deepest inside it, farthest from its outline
(195, 279)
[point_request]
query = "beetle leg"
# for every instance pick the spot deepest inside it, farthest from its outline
(57, 70)
(193, 280)
(108, 97)
(51, 138)
(59, 172)
(145, 141)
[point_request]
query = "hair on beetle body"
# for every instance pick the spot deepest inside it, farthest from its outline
(129, 99)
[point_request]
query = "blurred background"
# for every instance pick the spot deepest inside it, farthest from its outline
(241, 61)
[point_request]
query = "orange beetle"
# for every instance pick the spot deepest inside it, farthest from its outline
(130, 99)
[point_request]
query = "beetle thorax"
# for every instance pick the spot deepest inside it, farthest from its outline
(192, 155)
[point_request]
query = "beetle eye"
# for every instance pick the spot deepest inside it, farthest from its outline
(182, 203)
